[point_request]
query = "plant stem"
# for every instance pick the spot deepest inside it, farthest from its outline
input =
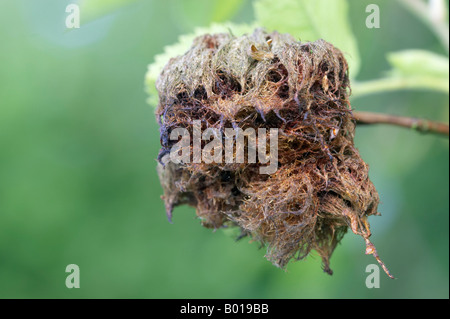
(420, 125)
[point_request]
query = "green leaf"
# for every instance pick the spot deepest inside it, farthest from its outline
(94, 9)
(411, 69)
(419, 63)
(183, 45)
(311, 20)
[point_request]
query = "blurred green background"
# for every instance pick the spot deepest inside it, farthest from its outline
(77, 167)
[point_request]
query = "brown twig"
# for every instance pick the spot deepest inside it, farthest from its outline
(420, 125)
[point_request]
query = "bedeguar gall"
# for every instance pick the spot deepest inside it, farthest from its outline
(321, 186)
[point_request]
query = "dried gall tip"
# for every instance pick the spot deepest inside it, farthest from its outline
(269, 80)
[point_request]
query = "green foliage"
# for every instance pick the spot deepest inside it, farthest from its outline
(419, 63)
(411, 69)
